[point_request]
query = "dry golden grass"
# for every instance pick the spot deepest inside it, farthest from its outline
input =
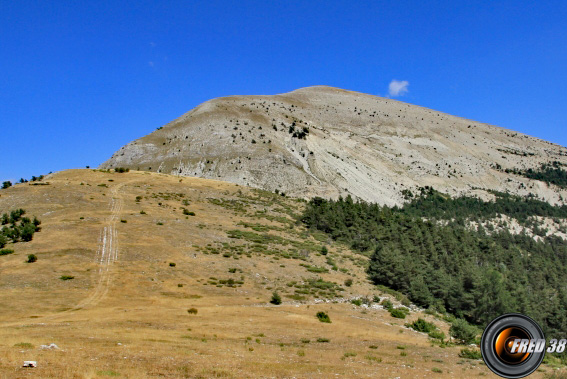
(129, 318)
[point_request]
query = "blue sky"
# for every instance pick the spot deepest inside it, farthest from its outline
(80, 79)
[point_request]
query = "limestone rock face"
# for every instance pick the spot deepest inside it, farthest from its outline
(329, 142)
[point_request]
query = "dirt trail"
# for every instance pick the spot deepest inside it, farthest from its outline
(107, 252)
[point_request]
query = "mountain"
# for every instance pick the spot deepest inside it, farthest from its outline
(324, 141)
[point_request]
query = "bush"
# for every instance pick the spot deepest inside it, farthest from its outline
(323, 317)
(324, 250)
(463, 331)
(6, 251)
(357, 302)
(423, 326)
(397, 313)
(66, 277)
(348, 282)
(123, 221)
(437, 335)
(322, 340)
(188, 212)
(26, 232)
(172, 264)
(32, 258)
(387, 304)
(276, 299)
(192, 311)
(470, 354)
(6, 184)
(121, 170)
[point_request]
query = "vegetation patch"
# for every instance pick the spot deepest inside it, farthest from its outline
(552, 173)
(18, 228)
(323, 317)
(447, 266)
(276, 299)
(470, 354)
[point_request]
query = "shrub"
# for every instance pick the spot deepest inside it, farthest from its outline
(142, 212)
(323, 317)
(138, 199)
(123, 221)
(322, 340)
(463, 331)
(66, 277)
(276, 299)
(188, 212)
(6, 184)
(470, 354)
(357, 302)
(32, 258)
(3, 240)
(423, 326)
(26, 232)
(172, 264)
(324, 249)
(397, 313)
(387, 304)
(6, 251)
(348, 282)
(121, 170)
(192, 311)
(437, 335)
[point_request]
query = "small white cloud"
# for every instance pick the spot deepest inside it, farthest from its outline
(398, 88)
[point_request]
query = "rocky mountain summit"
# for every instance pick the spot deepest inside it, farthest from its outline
(324, 141)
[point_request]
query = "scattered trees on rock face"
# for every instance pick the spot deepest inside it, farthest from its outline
(551, 173)
(450, 267)
(17, 228)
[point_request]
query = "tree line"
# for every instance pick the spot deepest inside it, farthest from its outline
(449, 266)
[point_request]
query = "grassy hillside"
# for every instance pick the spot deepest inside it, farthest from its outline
(141, 274)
